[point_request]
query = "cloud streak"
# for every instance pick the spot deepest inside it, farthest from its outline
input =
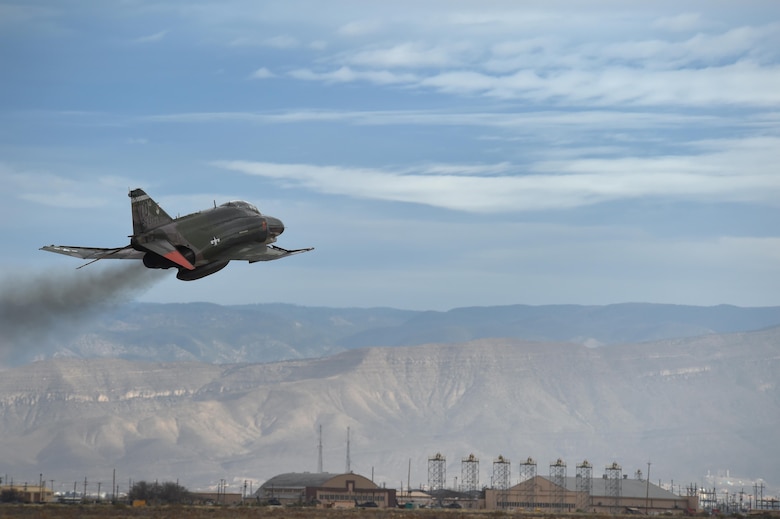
(152, 38)
(46, 189)
(524, 121)
(547, 185)
(684, 59)
(743, 83)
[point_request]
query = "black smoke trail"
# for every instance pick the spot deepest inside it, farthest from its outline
(35, 307)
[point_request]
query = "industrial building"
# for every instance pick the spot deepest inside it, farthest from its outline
(325, 490)
(606, 495)
(28, 493)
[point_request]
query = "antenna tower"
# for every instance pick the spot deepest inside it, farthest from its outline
(584, 485)
(437, 472)
(319, 450)
(527, 474)
(501, 473)
(558, 479)
(614, 477)
(469, 473)
(501, 479)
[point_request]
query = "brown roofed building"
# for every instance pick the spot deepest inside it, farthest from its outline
(325, 490)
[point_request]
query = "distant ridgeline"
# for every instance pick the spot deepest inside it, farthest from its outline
(271, 332)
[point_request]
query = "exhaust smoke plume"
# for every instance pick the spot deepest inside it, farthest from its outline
(33, 307)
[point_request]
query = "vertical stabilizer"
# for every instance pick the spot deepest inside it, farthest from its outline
(146, 213)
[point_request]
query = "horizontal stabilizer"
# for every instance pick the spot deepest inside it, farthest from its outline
(273, 252)
(94, 253)
(253, 252)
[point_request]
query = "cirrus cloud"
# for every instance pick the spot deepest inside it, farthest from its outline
(713, 175)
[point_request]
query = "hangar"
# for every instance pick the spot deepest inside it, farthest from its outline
(326, 490)
(623, 496)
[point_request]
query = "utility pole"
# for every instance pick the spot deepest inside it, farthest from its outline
(319, 451)
(409, 477)
(349, 462)
(647, 491)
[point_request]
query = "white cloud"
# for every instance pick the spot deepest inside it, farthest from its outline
(513, 125)
(16, 179)
(151, 37)
(744, 83)
(593, 57)
(51, 190)
(684, 22)
(347, 75)
(359, 28)
(18, 13)
(408, 55)
(262, 73)
(282, 42)
(464, 169)
(64, 199)
(721, 175)
(736, 66)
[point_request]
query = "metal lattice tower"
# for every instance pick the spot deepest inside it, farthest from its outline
(584, 485)
(614, 477)
(528, 473)
(501, 473)
(469, 473)
(437, 472)
(501, 479)
(558, 479)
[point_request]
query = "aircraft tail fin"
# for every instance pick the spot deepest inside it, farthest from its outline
(147, 214)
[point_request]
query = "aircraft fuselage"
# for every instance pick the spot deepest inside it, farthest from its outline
(197, 244)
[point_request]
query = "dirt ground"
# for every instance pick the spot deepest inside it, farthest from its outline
(194, 512)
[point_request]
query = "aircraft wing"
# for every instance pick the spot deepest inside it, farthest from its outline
(253, 253)
(94, 253)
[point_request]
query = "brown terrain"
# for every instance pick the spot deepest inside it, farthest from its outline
(264, 512)
(213, 512)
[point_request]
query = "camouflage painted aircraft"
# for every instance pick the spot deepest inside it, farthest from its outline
(197, 244)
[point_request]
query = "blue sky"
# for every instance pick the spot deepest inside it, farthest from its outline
(436, 154)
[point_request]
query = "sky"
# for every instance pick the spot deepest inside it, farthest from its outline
(436, 154)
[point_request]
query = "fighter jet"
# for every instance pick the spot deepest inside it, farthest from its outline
(198, 244)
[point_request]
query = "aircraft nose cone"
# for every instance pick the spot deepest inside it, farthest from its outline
(275, 226)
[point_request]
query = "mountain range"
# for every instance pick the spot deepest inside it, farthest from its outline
(271, 332)
(701, 397)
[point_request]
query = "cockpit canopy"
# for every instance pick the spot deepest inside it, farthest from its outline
(241, 204)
